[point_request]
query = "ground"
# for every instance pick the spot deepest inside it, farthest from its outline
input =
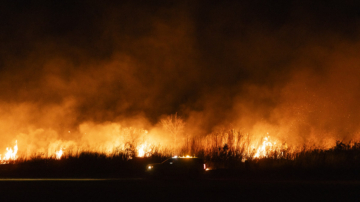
(136, 189)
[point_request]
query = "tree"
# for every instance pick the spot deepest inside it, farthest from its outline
(174, 125)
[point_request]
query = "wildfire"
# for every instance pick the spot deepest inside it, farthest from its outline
(268, 146)
(265, 148)
(141, 152)
(59, 154)
(143, 149)
(10, 154)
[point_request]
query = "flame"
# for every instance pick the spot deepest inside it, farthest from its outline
(59, 154)
(143, 150)
(10, 154)
(265, 148)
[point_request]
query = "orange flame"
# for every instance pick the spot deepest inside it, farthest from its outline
(10, 154)
(59, 154)
(265, 148)
(143, 150)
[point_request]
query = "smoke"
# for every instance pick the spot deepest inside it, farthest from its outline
(288, 69)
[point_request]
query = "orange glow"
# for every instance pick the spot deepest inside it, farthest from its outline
(265, 148)
(10, 154)
(59, 154)
(112, 139)
(187, 156)
(143, 150)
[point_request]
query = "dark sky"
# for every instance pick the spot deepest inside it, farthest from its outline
(291, 67)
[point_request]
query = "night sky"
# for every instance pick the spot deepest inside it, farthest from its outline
(290, 68)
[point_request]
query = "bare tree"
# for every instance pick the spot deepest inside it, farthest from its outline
(174, 125)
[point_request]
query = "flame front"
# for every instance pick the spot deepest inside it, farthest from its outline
(59, 154)
(143, 150)
(265, 147)
(138, 142)
(10, 154)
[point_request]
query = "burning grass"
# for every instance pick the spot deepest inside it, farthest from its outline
(80, 164)
(130, 149)
(310, 161)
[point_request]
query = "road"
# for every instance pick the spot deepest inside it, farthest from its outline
(136, 189)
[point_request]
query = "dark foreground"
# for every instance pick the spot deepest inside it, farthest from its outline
(137, 189)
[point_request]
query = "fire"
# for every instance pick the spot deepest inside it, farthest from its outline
(143, 150)
(59, 154)
(10, 154)
(265, 148)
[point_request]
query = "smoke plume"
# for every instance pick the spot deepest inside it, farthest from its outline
(82, 73)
